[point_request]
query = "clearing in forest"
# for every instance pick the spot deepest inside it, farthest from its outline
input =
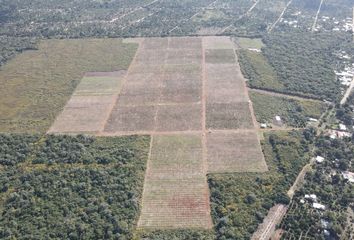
(190, 95)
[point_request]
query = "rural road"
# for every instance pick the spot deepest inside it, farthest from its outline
(318, 12)
(242, 16)
(268, 226)
(281, 15)
(347, 93)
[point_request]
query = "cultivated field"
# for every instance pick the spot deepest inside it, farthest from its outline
(90, 105)
(177, 90)
(175, 191)
(235, 152)
(36, 84)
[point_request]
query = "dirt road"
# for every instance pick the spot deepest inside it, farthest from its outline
(280, 17)
(347, 93)
(316, 18)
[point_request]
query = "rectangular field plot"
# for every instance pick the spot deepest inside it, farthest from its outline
(182, 117)
(83, 114)
(90, 104)
(218, 43)
(99, 85)
(235, 152)
(139, 94)
(228, 87)
(228, 116)
(175, 191)
(219, 56)
(185, 56)
(131, 118)
(154, 43)
(186, 43)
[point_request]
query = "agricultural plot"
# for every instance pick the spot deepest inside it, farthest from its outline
(235, 152)
(166, 97)
(177, 90)
(175, 192)
(36, 85)
(90, 105)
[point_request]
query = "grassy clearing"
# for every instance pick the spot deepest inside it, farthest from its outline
(240, 201)
(36, 84)
(246, 43)
(99, 199)
(295, 113)
(257, 70)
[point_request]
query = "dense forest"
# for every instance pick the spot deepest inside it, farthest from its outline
(64, 199)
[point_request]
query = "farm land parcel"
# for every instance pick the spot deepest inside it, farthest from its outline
(187, 93)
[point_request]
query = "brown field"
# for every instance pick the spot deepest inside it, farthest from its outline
(229, 116)
(219, 56)
(175, 191)
(131, 118)
(189, 94)
(235, 152)
(179, 117)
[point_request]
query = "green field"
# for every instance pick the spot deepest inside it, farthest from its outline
(247, 43)
(90, 190)
(36, 85)
(294, 113)
(257, 70)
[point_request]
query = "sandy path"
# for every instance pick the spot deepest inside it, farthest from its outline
(131, 12)
(199, 11)
(242, 16)
(347, 93)
(316, 18)
(280, 17)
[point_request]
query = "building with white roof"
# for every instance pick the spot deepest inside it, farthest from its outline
(318, 206)
(319, 159)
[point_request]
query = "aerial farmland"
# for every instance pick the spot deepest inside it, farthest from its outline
(166, 119)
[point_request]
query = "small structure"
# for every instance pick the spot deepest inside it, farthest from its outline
(313, 120)
(318, 206)
(319, 159)
(349, 176)
(254, 50)
(278, 121)
(342, 127)
(313, 197)
(333, 134)
(264, 125)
